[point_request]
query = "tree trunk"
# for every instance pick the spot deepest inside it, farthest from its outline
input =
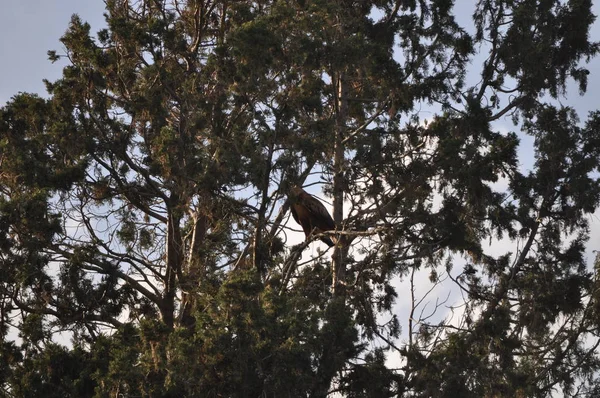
(173, 260)
(341, 249)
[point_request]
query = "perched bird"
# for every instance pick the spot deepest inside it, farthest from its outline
(310, 213)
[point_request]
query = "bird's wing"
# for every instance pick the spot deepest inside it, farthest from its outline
(318, 210)
(303, 217)
(294, 213)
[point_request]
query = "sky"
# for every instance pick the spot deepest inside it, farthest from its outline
(29, 28)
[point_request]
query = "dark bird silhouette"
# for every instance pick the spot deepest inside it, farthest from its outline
(311, 214)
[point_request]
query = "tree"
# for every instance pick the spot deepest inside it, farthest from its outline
(144, 203)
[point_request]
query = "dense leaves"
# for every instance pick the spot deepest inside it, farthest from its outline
(146, 248)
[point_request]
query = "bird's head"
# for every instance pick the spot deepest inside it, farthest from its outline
(296, 190)
(295, 193)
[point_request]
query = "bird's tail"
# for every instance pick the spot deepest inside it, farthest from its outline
(327, 241)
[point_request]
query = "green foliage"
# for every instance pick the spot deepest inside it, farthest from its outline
(143, 204)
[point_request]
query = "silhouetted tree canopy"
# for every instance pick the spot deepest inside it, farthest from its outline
(146, 247)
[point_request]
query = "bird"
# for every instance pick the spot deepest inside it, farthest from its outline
(311, 214)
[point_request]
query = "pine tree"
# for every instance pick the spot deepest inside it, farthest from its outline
(144, 206)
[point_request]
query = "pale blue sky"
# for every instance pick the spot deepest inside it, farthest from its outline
(28, 29)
